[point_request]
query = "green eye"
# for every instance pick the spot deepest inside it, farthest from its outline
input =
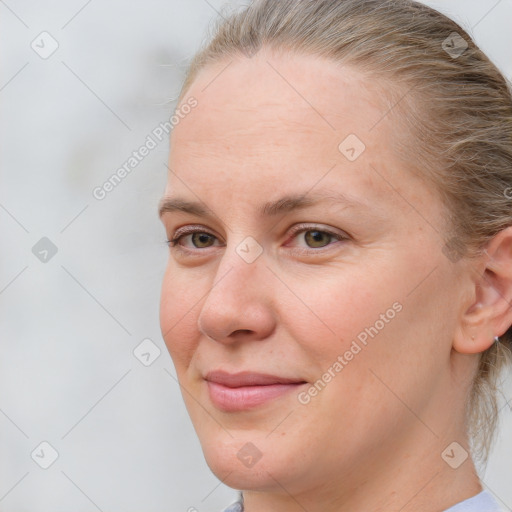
(190, 239)
(316, 239)
(202, 240)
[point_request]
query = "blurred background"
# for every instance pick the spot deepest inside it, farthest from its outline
(91, 417)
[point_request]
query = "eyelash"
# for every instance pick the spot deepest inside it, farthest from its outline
(301, 228)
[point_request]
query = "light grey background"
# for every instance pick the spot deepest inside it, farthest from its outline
(69, 326)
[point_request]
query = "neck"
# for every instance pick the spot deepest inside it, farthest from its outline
(408, 480)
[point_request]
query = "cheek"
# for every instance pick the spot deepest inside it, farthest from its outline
(373, 328)
(394, 338)
(370, 321)
(179, 308)
(329, 311)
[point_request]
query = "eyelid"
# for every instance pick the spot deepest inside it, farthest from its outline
(298, 228)
(190, 229)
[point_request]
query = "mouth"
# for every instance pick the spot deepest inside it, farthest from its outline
(245, 390)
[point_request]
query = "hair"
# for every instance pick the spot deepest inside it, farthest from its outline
(451, 98)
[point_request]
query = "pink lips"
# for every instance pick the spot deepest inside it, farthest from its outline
(239, 391)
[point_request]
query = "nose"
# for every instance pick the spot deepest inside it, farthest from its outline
(239, 304)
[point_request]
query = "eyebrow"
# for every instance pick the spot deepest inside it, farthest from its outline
(280, 206)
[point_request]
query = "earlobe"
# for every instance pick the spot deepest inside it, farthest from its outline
(490, 313)
(475, 343)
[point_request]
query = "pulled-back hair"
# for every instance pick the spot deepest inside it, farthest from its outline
(454, 102)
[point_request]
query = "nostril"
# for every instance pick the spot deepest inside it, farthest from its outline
(243, 331)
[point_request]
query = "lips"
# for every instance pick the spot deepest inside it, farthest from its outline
(237, 380)
(245, 390)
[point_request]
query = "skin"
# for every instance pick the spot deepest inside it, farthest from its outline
(372, 439)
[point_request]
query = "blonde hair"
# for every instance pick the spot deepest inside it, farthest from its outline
(452, 98)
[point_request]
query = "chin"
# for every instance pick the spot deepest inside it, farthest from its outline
(242, 464)
(233, 474)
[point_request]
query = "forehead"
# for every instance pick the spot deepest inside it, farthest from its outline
(282, 95)
(280, 119)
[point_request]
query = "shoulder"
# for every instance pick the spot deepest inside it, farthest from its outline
(482, 502)
(237, 506)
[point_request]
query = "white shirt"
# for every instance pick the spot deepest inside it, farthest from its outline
(482, 502)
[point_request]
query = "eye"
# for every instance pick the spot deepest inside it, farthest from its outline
(316, 237)
(201, 240)
(196, 236)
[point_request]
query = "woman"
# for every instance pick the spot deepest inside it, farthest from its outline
(337, 297)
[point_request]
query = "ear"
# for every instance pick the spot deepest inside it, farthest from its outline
(490, 313)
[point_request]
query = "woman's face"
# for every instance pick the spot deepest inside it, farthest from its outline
(308, 251)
